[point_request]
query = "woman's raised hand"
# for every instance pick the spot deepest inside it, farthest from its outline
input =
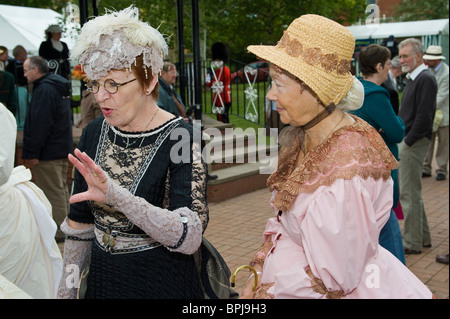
(94, 176)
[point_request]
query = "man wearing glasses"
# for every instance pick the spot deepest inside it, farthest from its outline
(47, 136)
(417, 110)
(169, 99)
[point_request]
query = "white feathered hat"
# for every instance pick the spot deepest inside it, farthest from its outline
(114, 40)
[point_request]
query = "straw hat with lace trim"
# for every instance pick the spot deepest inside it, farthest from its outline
(316, 50)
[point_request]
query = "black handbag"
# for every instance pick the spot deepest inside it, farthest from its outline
(214, 273)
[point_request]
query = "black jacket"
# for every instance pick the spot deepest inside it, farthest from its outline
(47, 133)
(16, 68)
(418, 107)
(48, 52)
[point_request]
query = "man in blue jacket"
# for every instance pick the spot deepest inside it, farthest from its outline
(47, 136)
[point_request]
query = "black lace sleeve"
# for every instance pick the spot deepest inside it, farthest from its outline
(187, 179)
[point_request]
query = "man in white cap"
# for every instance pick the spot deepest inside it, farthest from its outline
(433, 58)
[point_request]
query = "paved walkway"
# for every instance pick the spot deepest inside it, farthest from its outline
(236, 228)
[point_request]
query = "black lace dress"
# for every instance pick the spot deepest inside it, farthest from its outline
(126, 262)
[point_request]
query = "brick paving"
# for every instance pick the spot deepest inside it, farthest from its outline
(434, 275)
(236, 226)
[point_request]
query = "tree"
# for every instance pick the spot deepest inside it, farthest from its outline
(238, 23)
(417, 10)
(56, 5)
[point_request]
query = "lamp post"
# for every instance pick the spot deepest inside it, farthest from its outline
(196, 49)
(181, 70)
(84, 13)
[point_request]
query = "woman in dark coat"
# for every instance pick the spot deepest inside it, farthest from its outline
(54, 50)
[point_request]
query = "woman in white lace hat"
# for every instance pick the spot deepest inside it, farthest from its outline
(332, 191)
(137, 213)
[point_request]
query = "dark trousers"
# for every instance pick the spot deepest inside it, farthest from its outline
(224, 117)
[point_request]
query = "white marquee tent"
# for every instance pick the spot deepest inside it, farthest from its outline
(26, 26)
(431, 32)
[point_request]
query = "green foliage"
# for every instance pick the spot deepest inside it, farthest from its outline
(56, 5)
(238, 23)
(417, 10)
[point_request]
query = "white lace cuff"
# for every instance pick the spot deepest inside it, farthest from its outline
(179, 230)
(77, 248)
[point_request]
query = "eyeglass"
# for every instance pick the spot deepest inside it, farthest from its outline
(110, 86)
(404, 57)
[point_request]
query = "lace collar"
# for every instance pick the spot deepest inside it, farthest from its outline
(352, 150)
(153, 131)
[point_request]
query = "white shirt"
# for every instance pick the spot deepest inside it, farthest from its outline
(57, 45)
(412, 75)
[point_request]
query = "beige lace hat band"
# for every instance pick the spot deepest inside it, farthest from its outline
(316, 50)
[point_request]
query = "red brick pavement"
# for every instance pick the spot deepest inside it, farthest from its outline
(236, 227)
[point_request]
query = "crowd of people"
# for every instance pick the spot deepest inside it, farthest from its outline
(352, 155)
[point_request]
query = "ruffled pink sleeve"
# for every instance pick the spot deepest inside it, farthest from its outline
(340, 230)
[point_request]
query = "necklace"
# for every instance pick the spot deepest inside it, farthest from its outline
(343, 116)
(148, 125)
(126, 138)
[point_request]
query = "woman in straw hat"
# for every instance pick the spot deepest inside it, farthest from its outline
(136, 213)
(332, 191)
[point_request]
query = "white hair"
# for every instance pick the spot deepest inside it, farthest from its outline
(354, 98)
(416, 44)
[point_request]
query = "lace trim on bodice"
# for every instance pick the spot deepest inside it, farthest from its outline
(352, 150)
(126, 166)
(127, 223)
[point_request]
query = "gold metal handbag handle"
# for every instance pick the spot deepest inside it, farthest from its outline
(233, 278)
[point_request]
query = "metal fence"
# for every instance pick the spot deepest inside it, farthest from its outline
(249, 85)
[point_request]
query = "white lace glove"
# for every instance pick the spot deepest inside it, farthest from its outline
(77, 248)
(179, 230)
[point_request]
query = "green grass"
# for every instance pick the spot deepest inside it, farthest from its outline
(77, 109)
